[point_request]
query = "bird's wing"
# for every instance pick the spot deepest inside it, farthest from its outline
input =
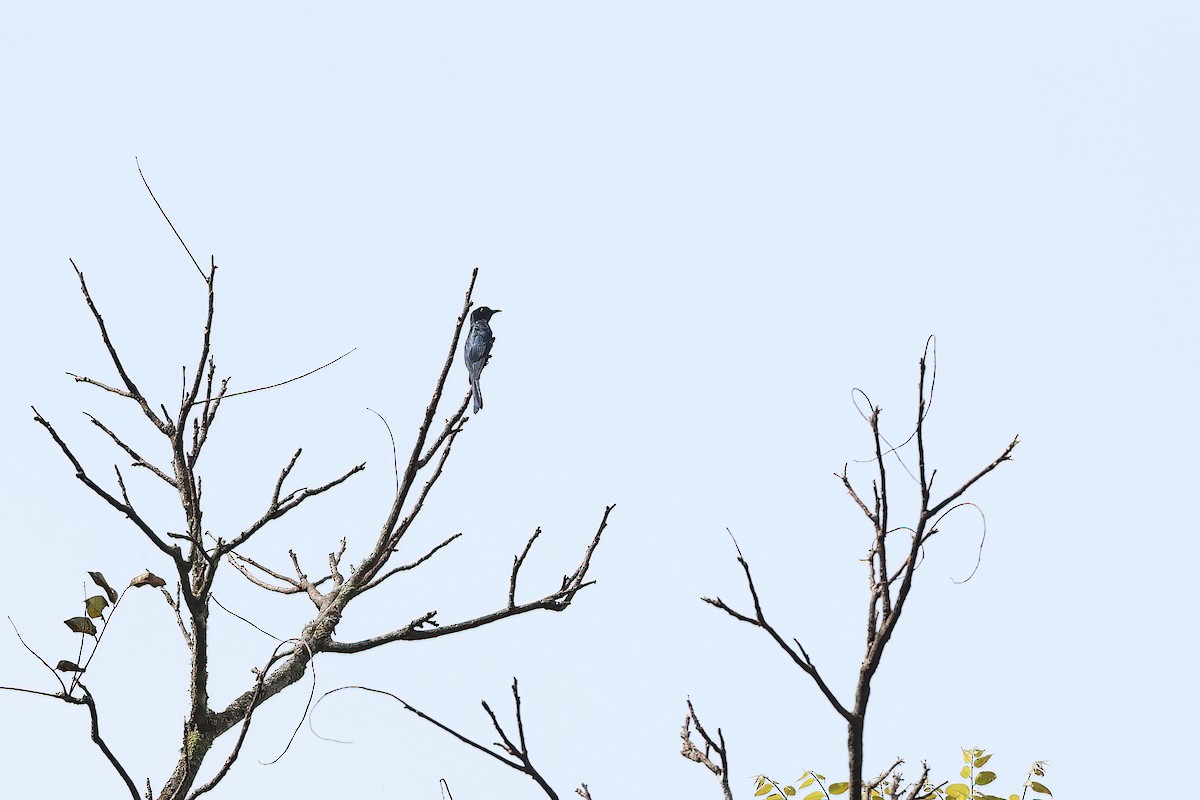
(479, 343)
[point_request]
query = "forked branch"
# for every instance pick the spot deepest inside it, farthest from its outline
(691, 752)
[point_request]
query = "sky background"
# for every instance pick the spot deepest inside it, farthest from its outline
(706, 224)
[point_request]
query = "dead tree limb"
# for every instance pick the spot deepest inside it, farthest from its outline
(890, 584)
(691, 752)
(513, 754)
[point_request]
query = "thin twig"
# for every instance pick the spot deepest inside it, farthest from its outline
(162, 211)
(281, 383)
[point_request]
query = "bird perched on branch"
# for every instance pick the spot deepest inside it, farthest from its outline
(478, 348)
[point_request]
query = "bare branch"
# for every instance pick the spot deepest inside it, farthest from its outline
(279, 507)
(406, 567)
(918, 789)
(881, 777)
(555, 601)
(174, 604)
(957, 493)
(164, 424)
(304, 583)
(124, 508)
(104, 386)
(239, 561)
(138, 461)
(517, 562)
(335, 559)
(162, 211)
(690, 751)
(520, 759)
(433, 479)
(801, 659)
(185, 407)
(90, 702)
(453, 425)
(845, 479)
(54, 695)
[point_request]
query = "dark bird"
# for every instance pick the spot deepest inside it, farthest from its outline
(478, 348)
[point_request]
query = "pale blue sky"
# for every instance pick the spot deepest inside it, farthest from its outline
(706, 223)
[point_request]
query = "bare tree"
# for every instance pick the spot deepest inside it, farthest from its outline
(890, 577)
(193, 558)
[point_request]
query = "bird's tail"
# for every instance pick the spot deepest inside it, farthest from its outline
(478, 395)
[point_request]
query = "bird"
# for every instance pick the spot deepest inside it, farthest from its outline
(478, 348)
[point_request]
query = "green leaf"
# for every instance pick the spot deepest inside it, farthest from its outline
(807, 782)
(815, 796)
(775, 796)
(81, 625)
(979, 762)
(98, 577)
(958, 790)
(840, 787)
(766, 787)
(984, 778)
(967, 756)
(965, 772)
(790, 791)
(95, 605)
(1037, 787)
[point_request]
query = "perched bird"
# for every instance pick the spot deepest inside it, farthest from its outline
(478, 348)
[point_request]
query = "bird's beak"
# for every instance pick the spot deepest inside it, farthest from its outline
(497, 310)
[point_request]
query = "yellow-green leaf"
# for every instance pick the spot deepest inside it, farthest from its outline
(979, 762)
(984, 778)
(807, 782)
(965, 772)
(766, 787)
(1037, 787)
(790, 791)
(839, 788)
(81, 625)
(814, 796)
(958, 790)
(95, 605)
